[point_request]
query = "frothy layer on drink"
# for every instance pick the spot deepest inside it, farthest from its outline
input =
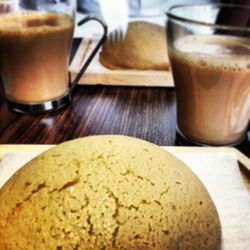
(215, 52)
(212, 76)
(33, 22)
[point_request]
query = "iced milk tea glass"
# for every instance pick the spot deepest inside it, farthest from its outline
(35, 45)
(209, 49)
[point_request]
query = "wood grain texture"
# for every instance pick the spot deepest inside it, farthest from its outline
(147, 113)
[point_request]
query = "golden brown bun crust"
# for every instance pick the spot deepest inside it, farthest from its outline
(144, 47)
(107, 192)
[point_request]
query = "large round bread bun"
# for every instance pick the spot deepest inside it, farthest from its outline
(144, 47)
(107, 192)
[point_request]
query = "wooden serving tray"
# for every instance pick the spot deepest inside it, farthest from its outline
(98, 74)
(219, 170)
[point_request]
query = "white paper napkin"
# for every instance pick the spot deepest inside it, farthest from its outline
(11, 162)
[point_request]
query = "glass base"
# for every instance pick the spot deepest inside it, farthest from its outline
(182, 140)
(39, 108)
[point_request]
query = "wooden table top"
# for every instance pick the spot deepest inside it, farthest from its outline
(147, 113)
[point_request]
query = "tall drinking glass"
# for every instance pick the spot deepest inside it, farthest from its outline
(209, 49)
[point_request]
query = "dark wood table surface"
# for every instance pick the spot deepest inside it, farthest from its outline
(147, 113)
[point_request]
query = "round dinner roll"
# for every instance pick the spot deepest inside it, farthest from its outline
(107, 192)
(144, 47)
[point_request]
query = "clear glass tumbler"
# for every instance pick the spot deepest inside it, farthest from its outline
(209, 50)
(35, 45)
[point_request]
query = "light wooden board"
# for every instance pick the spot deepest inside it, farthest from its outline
(219, 170)
(98, 74)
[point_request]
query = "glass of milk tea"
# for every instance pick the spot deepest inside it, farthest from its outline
(209, 50)
(35, 45)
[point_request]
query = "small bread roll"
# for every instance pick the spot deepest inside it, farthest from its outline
(144, 47)
(107, 192)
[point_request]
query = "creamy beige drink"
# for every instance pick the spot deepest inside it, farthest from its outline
(212, 79)
(34, 54)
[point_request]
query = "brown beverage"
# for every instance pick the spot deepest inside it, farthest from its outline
(212, 79)
(34, 54)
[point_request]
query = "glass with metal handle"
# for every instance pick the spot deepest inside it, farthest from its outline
(35, 45)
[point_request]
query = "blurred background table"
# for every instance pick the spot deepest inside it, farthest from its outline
(143, 112)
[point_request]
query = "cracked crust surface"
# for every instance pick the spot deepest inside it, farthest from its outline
(144, 47)
(107, 192)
